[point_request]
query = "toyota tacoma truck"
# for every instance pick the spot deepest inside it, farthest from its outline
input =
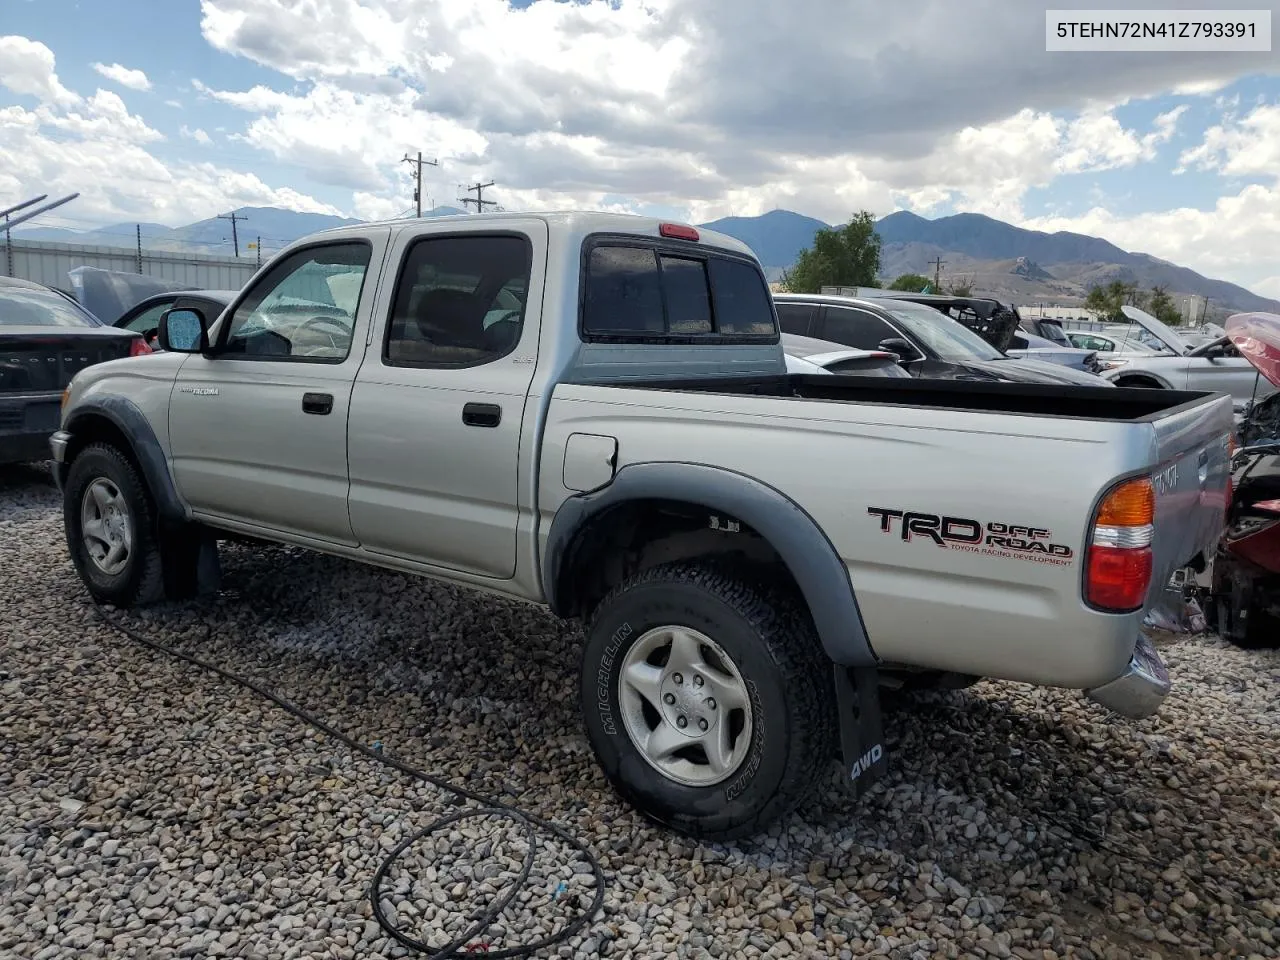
(593, 412)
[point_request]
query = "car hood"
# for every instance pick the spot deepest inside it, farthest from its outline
(1020, 370)
(1257, 337)
(1157, 329)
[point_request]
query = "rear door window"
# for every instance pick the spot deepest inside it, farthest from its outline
(797, 318)
(636, 291)
(856, 328)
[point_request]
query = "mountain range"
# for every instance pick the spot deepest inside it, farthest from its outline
(995, 258)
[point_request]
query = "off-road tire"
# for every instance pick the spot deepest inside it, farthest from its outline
(772, 641)
(143, 579)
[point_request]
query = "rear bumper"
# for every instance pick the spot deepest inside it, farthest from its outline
(26, 420)
(23, 447)
(1140, 690)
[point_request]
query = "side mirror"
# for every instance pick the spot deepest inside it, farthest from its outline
(183, 331)
(905, 351)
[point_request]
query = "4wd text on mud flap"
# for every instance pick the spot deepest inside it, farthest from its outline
(961, 533)
(866, 762)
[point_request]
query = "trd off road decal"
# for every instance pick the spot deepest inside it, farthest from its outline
(1010, 540)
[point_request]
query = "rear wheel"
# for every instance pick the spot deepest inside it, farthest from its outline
(707, 701)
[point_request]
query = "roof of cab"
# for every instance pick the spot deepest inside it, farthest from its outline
(579, 222)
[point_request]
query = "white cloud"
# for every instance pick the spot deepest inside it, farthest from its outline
(196, 134)
(104, 117)
(1236, 238)
(26, 68)
(96, 147)
(133, 79)
(1246, 147)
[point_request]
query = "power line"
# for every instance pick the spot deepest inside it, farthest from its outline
(417, 192)
(235, 237)
(478, 199)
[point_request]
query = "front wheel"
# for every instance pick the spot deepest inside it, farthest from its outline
(708, 703)
(111, 529)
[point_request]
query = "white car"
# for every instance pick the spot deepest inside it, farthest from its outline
(1215, 366)
(1106, 345)
(807, 355)
(1028, 346)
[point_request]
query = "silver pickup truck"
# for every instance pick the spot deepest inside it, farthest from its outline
(593, 412)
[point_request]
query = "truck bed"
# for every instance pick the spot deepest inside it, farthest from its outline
(1115, 404)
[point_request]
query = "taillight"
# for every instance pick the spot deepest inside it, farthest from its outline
(1120, 560)
(139, 348)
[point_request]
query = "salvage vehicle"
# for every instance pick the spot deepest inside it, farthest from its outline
(1217, 365)
(144, 316)
(1243, 596)
(929, 343)
(750, 552)
(993, 321)
(1116, 345)
(1031, 347)
(45, 338)
(807, 355)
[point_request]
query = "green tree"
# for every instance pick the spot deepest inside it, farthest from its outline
(913, 282)
(1100, 302)
(1108, 300)
(962, 289)
(845, 256)
(1161, 306)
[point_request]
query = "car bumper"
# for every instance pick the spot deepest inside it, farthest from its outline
(1140, 690)
(58, 448)
(26, 421)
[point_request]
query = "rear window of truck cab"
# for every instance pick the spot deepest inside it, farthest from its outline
(636, 290)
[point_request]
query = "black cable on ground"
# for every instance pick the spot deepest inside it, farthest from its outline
(488, 808)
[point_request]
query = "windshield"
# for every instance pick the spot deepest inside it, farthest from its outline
(1055, 333)
(944, 336)
(27, 307)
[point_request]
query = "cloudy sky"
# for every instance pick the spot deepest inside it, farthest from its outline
(175, 111)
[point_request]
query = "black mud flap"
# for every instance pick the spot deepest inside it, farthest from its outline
(861, 727)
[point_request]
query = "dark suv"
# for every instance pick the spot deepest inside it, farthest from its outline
(928, 342)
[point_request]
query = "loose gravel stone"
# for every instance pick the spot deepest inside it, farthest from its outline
(148, 809)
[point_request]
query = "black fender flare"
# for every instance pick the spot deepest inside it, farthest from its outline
(145, 448)
(803, 546)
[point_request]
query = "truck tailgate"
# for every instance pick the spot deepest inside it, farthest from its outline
(1191, 483)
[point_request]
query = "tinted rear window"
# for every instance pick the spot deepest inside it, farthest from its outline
(640, 291)
(25, 307)
(743, 302)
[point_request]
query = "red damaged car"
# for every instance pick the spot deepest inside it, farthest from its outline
(1244, 595)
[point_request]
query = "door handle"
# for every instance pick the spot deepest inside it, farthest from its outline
(317, 403)
(482, 414)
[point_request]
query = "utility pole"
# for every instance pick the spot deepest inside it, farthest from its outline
(937, 273)
(235, 237)
(417, 192)
(478, 199)
(138, 234)
(8, 248)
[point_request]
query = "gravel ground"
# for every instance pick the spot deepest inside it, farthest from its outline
(148, 809)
